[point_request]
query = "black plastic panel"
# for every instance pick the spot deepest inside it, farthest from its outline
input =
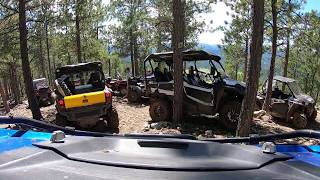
(148, 158)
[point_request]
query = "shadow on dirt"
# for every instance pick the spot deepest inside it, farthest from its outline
(201, 125)
(312, 124)
(143, 102)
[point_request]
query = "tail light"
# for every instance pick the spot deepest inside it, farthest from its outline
(60, 102)
(108, 96)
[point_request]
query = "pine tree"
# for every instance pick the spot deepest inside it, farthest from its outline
(254, 67)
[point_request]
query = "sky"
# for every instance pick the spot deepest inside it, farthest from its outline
(219, 16)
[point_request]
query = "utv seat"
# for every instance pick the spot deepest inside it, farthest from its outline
(193, 80)
(279, 108)
(62, 88)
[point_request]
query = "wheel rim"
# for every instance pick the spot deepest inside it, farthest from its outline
(160, 112)
(123, 92)
(233, 115)
(133, 96)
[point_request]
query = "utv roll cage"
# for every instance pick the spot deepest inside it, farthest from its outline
(188, 56)
(78, 68)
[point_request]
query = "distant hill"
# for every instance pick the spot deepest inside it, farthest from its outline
(215, 49)
(212, 48)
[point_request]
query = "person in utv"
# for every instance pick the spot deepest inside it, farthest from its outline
(95, 80)
(167, 75)
(277, 93)
(192, 77)
(158, 74)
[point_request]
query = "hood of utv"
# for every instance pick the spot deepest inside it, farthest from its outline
(238, 85)
(305, 99)
(33, 156)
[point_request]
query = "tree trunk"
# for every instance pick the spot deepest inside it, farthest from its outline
(317, 95)
(78, 37)
(5, 86)
(131, 52)
(236, 71)
(54, 64)
(14, 83)
(4, 99)
(246, 59)
(22, 88)
(159, 33)
(136, 57)
(33, 104)
(306, 82)
(109, 66)
(42, 65)
(313, 76)
(254, 67)
(48, 53)
(267, 101)
(178, 45)
(69, 58)
(287, 54)
(287, 51)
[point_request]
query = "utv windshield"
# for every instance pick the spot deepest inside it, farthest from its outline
(40, 83)
(86, 81)
(295, 88)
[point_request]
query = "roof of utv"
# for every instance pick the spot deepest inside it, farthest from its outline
(76, 68)
(190, 55)
(284, 79)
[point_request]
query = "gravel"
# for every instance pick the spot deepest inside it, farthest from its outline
(134, 118)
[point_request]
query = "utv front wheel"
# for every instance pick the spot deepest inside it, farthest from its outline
(123, 91)
(299, 121)
(160, 110)
(113, 119)
(134, 96)
(313, 115)
(229, 114)
(61, 120)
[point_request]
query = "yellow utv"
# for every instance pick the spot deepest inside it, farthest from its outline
(82, 99)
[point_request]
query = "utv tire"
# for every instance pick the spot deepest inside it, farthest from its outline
(160, 110)
(61, 120)
(313, 115)
(299, 121)
(51, 101)
(134, 95)
(123, 91)
(229, 114)
(101, 126)
(113, 119)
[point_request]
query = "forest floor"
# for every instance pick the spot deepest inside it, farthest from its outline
(134, 118)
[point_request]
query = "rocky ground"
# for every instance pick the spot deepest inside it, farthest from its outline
(134, 118)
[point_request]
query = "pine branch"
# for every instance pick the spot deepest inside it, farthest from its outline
(8, 7)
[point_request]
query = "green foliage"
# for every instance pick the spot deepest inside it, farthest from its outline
(232, 54)
(237, 34)
(142, 27)
(304, 61)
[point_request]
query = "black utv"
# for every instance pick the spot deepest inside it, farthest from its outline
(42, 92)
(288, 102)
(207, 89)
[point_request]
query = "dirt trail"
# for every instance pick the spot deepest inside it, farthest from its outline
(134, 118)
